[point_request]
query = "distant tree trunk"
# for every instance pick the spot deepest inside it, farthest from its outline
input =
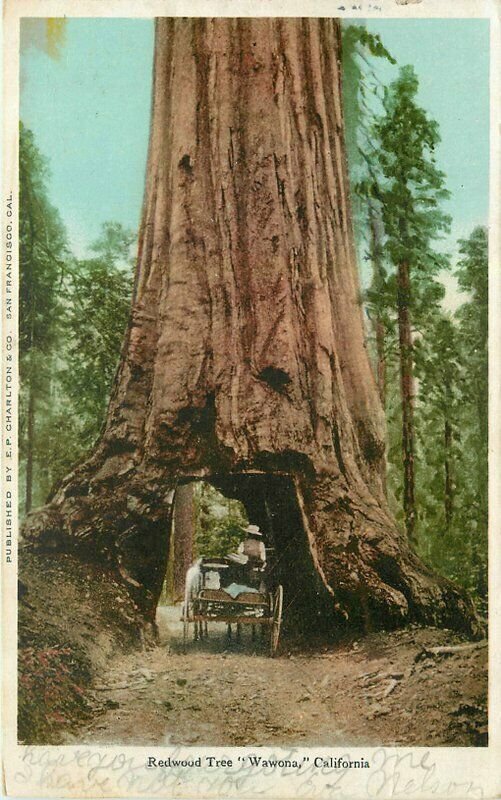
(379, 326)
(245, 362)
(184, 533)
(381, 359)
(448, 488)
(407, 394)
(30, 447)
(377, 282)
(480, 543)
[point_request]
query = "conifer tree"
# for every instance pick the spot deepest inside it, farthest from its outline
(42, 252)
(72, 317)
(410, 190)
(472, 275)
(439, 369)
(99, 294)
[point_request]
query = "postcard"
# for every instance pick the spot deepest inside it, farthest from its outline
(250, 399)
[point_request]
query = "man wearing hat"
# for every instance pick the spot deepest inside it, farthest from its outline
(253, 547)
(248, 563)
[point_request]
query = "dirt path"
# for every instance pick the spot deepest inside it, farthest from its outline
(381, 690)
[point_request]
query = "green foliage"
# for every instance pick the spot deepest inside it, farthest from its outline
(452, 427)
(42, 251)
(219, 522)
(472, 319)
(354, 35)
(472, 274)
(360, 82)
(408, 184)
(97, 316)
(404, 190)
(43, 254)
(451, 423)
(72, 318)
(398, 192)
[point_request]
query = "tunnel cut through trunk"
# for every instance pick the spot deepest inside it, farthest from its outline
(271, 501)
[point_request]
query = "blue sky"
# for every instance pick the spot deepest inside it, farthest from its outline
(90, 110)
(451, 59)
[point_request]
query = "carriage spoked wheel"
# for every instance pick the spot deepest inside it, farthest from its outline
(276, 621)
(186, 622)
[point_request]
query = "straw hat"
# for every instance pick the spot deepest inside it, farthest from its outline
(253, 529)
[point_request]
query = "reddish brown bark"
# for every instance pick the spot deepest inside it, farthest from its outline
(407, 394)
(377, 283)
(184, 532)
(244, 361)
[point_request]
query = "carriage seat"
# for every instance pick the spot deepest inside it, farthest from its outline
(221, 596)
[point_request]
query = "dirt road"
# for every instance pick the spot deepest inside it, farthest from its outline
(381, 690)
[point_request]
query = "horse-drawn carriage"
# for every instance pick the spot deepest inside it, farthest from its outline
(206, 601)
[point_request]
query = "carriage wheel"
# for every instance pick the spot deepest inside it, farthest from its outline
(276, 620)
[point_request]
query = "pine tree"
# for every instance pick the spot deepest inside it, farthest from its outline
(410, 190)
(439, 370)
(472, 275)
(42, 256)
(99, 300)
(72, 317)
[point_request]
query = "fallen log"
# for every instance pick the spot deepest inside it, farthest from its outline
(450, 650)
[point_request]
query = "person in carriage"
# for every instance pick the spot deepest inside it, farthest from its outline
(236, 573)
(234, 588)
(253, 547)
(249, 563)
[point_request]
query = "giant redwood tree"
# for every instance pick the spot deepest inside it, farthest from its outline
(244, 360)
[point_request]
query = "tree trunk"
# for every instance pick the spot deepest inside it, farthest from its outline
(480, 548)
(184, 532)
(448, 490)
(30, 447)
(245, 362)
(407, 394)
(381, 359)
(379, 326)
(377, 283)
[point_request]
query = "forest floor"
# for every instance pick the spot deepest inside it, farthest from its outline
(385, 689)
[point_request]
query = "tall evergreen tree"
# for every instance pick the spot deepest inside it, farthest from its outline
(100, 289)
(410, 192)
(449, 354)
(472, 274)
(72, 317)
(439, 369)
(42, 256)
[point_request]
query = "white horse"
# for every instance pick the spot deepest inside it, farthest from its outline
(193, 583)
